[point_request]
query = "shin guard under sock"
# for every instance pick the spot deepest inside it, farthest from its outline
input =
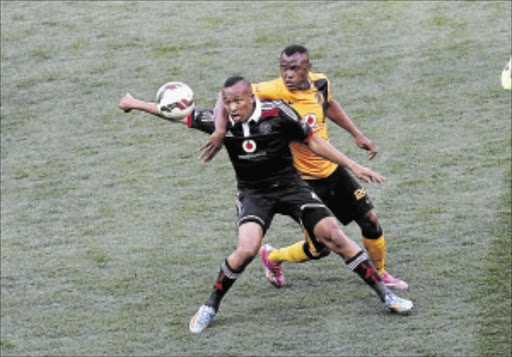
(376, 249)
(225, 280)
(361, 265)
(293, 253)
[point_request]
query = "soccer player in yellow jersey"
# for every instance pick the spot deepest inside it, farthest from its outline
(310, 95)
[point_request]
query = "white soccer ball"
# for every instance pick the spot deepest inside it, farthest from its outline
(175, 100)
(506, 80)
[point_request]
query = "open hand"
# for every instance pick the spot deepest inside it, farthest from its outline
(367, 175)
(211, 147)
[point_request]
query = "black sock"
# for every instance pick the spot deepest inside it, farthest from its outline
(225, 280)
(360, 264)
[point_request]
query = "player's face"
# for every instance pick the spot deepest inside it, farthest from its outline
(238, 101)
(295, 71)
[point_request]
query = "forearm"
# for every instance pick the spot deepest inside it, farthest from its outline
(129, 103)
(324, 149)
(214, 143)
(220, 116)
(336, 113)
(148, 107)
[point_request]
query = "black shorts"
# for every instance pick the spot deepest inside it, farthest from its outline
(343, 194)
(294, 199)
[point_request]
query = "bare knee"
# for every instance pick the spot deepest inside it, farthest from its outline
(246, 252)
(241, 258)
(329, 233)
(369, 224)
(249, 241)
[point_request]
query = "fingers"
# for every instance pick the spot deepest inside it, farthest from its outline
(211, 147)
(208, 147)
(366, 179)
(204, 146)
(208, 152)
(207, 156)
(376, 177)
(372, 176)
(372, 150)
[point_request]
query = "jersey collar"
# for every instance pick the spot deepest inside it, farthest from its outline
(256, 114)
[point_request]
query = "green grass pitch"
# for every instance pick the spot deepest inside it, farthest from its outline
(112, 232)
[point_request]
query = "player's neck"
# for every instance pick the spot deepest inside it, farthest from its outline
(305, 86)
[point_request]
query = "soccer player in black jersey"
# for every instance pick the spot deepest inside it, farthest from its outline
(309, 93)
(257, 141)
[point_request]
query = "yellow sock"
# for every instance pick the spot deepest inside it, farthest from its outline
(293, 253)
(376, 249)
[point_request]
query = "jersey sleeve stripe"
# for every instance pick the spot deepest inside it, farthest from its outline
(311, 133)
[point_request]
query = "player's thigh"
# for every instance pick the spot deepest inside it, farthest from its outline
(349, 199)
(304, 206)
(310, 217)
(254, 208)
(324, 188)
(301, 203)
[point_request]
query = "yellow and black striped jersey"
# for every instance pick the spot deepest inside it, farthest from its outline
(312, 105)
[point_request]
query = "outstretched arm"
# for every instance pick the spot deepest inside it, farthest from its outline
(336, 113)
(214, 144)
(129, 102)
(323, 148)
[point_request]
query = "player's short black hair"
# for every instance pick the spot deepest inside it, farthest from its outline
(292, 49)
(231, 81)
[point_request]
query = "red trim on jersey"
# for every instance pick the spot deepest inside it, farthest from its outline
(270, 113)
(309, 137)
(189, 120)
